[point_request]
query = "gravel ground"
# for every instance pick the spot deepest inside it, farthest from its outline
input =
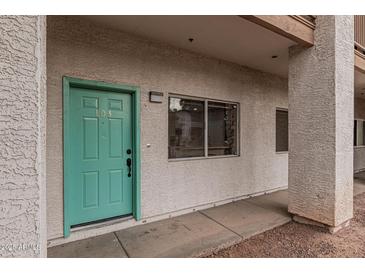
(298, 240)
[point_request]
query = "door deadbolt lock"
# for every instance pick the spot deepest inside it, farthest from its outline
(129, 164)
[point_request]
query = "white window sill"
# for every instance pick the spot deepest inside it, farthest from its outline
(201, 158)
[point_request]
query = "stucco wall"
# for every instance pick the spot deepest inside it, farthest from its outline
(79, 49)
(22, 136)
(321, 99)
(359, 152)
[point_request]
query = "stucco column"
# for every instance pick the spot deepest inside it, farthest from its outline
(321, 113)
(22, 136)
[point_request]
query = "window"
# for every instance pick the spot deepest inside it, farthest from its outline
(222, 129)
(281, 130)
(186, 128)
(202, 128)
(359, 133)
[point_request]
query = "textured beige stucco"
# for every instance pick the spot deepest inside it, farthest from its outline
(22, 135)
(80, 49)
(321, 113)
(359, 152)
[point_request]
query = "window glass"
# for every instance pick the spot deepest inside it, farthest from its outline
(359, 133)
(186, 128)
(363, 134)
(355, 133)
(222, 129)
(281, 130)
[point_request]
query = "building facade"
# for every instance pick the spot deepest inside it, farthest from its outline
(113, 121)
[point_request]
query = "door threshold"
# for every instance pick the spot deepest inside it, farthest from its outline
(101, 223)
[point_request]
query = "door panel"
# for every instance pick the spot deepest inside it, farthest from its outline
(101, 133)
(115, 186)
(115, 137)
(91, 138)
(90, 195)
(115, 104)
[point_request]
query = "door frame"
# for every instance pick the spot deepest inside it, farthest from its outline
(134, 91)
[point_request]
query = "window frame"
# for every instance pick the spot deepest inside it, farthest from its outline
(355, 130)
(287, 111)
(205, 100)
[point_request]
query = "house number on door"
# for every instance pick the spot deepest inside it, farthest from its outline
(102, 113)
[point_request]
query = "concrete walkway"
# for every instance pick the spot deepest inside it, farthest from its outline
(189, 235)
(193, 234)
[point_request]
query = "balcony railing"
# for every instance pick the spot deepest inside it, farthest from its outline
(308, 20)
(360, 35)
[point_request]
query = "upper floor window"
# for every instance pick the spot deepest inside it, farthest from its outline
(202, 128)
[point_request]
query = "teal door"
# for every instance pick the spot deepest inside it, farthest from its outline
(100, 155)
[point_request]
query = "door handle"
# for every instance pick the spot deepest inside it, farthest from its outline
(129, 164)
